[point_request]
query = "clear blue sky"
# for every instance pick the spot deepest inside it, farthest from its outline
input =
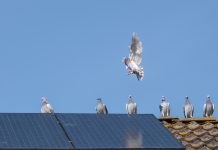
(71, 52)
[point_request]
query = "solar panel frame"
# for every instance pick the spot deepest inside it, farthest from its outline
(115, 130)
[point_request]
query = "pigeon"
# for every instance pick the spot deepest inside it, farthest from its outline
(188, 109)
(164, 107)
(100, 107)
(131, 106)
(208, 108)
(134, 59)
(46, 107)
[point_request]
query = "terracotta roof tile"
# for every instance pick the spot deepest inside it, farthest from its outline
(206, 138)
(197, 144)
(178, 137)
(172, 130)
(190, 137)
(204, 148)
(194, 133)
(166, 124)
(213, 144)
(208, 126)
(178, 125)
(187, 144)
(216, 138)
(190, 148)
(199, 132)
(193, 125)
(213, 132)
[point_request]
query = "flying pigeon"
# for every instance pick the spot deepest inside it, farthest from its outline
(208, 108)
(46, 107)
(188, 109)
(131, 106)
(164, 107)
(134, 59)
(100, 107)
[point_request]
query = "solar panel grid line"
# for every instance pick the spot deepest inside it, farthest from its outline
(61, 132)
(106, 127)
(38, 124)
(45, 123)
(152, 126)
(167, 136)
(64, 130)
(119, 128)
(88, 127)
(12, 130)
(110, 137)
(155, 125)
(20, 132)
(115, 138)
(29, 133)
(4, 142)
(33, 132)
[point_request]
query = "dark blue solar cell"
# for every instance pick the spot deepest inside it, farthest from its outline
(117, 131)
(28, 130)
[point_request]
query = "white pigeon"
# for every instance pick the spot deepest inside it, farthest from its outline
(131, 106)
(188, 108)
(46, 107)
(100, 107)
(134, 59)
(208, 108)
(164, 107)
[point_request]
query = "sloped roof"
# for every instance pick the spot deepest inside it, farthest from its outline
(84, 131)
(194, 133)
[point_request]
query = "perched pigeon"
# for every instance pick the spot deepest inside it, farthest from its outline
(188, 109)
(164, 107)
(46, 107)
(208, 108)
(100, 107)
(131, 106)
(134, 59)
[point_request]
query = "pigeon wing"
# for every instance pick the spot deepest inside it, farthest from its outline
(161, 107)
(213, 108)
(42, 110)
(204, 110)
(136, 49)
(168, 108)
(184, 110)
(192, 110)
(135, 108)
(50, 108)
(105, 109)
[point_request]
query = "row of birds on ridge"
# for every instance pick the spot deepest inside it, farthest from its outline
(131, 107)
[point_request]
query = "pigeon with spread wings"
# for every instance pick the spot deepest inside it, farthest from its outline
(134, 59)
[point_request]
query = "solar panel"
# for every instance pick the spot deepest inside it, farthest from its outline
(28, 130)
(117, 131)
